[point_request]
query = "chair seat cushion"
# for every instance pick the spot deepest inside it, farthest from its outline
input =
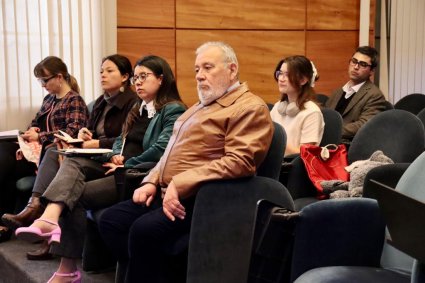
(352, 274)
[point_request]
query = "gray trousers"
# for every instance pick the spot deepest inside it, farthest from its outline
(47, 170)
(79, 184)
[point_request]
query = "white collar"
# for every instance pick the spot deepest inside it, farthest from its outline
(350, 90)
(149, 107)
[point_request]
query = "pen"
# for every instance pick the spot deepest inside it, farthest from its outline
(122, 147)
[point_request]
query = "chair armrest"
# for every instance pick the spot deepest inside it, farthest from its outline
(223, 225)
(145, 165)
(129, 179)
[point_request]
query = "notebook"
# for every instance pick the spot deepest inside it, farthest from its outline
(405, 218)
(84, 151)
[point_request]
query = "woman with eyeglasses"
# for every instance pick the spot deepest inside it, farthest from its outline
(295, 111)
(62, 109)
(105, 123)
(83, 183)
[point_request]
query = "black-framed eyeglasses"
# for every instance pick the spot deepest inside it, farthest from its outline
(44, 81)
(353, 61)
(141, 78)
(279, 73)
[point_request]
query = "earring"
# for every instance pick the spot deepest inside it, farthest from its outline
(122, 89)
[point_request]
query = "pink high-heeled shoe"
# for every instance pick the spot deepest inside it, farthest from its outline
(76, 274)
(34, 234)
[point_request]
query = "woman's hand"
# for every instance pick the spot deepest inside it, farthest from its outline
(31, 134)
(90, 144)
(117, 159)
(145, 194)
(85, 134)
(111, 167)
(62, 145)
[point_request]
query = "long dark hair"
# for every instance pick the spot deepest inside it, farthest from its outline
(299, 67)
(167, 91)
(54, 65)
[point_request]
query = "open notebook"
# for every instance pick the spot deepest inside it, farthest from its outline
(405, 218)
(84, 151)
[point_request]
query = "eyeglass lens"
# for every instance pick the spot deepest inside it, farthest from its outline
(44, 81)
(279, 73)
(362, 64)
(141, 77)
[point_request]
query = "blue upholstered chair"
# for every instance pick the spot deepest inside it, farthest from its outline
(342, 240)
(223, 223)
(413, 103)
(232, 203)
(321, 99)
(333, 127)
(398, 133)
(294, 175)
(388, 105)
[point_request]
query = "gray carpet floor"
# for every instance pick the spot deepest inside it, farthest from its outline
(14, 266)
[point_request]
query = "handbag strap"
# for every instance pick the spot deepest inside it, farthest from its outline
(324, 153)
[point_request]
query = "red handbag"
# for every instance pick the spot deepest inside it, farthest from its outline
(325, 164)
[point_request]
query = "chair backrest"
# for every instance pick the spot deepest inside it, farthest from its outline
(388, 105)
(421, 116)
(333, 127)
(90, 106)
(321, 98)
(413, 103)
(270, 106)
(411, 184)
(273, 161)
(398, 133)
(330, 232)
(412, 181)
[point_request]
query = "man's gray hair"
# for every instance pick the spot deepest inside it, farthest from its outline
(228, 52)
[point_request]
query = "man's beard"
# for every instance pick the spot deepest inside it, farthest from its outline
(210, 95)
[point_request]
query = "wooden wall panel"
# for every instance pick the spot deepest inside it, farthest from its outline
(133, 13)
(262, 32)
(241, 14)
(333, 15)
(372, 15)
(135, 43)
(330, 52)
(258, 53)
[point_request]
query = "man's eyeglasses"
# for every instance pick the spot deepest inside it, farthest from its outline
(279, 73)
(353, 61)
(44, 81)
(141, 78)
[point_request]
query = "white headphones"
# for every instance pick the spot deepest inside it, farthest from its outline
(290, 109)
